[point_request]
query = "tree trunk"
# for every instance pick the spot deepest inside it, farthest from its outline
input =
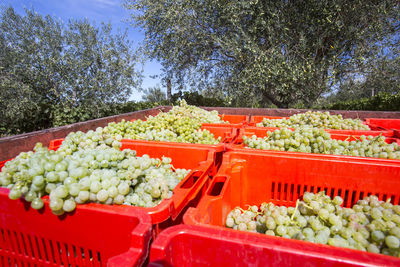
(273, 100)
(169, 91)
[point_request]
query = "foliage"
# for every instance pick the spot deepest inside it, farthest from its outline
(196, 99)
(54, 74)
(380, 102)
(279, 52)
(154, 94)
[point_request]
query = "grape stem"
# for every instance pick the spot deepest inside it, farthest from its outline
(295, 209)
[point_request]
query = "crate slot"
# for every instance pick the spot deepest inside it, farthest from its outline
(217, 186)
(192, 180)
(23, 244)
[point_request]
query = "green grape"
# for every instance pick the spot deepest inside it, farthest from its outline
(14, 193)
(392, 241)
(37, 204)
(230, 222)
(56, 204)
(69, 205)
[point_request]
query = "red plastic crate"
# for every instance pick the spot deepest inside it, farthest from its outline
(190, 245)
(251, 178)
(375, 130)
(385, 123)
(235, 121)
(93, 235)
(201, 161)
(263, 131)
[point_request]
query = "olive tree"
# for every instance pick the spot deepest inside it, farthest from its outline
(260, 51)
(53, 73)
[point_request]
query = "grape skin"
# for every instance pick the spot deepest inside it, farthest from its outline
(354, 227)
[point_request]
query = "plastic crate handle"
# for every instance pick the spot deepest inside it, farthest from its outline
(189, 189)
(214, 193)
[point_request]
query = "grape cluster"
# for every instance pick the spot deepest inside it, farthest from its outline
(102, 175)
(201, 115)
(181, 124)
(370, 225)
(100, 138)
(316, 119)
(315, 140)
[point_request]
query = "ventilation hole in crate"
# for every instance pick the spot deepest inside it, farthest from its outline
(83, 254)
(312, 189)
(18, 242)
(298, 192)
(273, 190)
(54, 250)
(329, 192)
(384, 198)
(291, 192)
(305, 189)
(318, 189)
(353, 198)
(99, 256)
(361, 195)
(36, 244)
(334, 192)
(24, 244)
(67, 252)
(369, 193)
(75, 253)
(61, 252)
(35, 248)
(9, 236)
(9, 240)
(90, 255)
(346, 198)
(279, 191)
(339, 193)
(358, 197)
(393, 200)
(46, 256)
(29, 241)
(285, 192)
(2, 237)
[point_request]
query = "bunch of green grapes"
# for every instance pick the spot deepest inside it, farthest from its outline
(101, 175)
(370, 225)
(100, 138)
(181, 124)
(316, 119)
(199, 114)
(315, 140)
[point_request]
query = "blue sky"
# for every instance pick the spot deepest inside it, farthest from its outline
(95, 11)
